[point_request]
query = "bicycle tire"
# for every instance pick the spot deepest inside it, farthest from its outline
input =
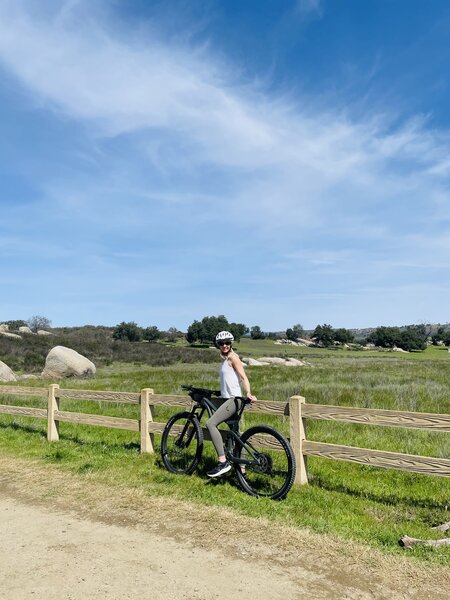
(272, 472)
(181, 448)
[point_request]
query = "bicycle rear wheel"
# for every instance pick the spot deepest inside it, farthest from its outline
(182, 444)
(270, 471)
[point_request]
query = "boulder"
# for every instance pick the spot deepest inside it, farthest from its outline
(43, 332)
(252, 362)
(25, 329)
(65, 362)
(294, 362)
(298, 342)
(6, 374)
(273, 360)
(10, 335)
(4, 327)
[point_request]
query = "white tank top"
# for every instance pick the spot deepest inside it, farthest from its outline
(229, 381)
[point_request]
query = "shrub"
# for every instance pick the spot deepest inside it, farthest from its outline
(127, 331)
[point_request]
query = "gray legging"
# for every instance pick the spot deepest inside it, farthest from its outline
(224, 412)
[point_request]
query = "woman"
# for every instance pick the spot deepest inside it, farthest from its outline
(231, 374)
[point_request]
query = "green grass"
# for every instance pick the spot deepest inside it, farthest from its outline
(366, 504)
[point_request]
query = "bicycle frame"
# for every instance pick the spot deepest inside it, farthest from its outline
(204, 404)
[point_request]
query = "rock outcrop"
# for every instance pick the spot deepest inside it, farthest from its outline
(65, 362)
(10, 335)
(252, 362)
(6, 374)
(294, 362)
(298, 342)
(25, 329)
(274, 360)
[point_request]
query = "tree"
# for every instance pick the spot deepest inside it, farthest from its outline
(256, 333)
(298, 331)
(385, 337)
(210, 327)
(290, 334)
(272, 335)
(151, 334)
(238, 330)
(324, 335)
(172, 334)
(437, 338)
(127, 331)
(194, 332)
(442, 336)
(343, 336)
(38, 322)
(413, 337)
(295, 332)
(207, 329)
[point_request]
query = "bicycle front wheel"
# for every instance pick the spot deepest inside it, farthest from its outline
(182, 444)
(270, 463)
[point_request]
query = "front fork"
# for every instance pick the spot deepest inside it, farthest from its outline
(183, 441)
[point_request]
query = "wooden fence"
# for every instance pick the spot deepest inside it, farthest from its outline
(296, 409)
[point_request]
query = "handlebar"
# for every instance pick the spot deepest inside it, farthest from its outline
(209, 393)
(196, 390)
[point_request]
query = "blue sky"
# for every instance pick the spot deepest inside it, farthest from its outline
(276, 161)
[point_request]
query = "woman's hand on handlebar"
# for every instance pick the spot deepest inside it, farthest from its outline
(251, 398)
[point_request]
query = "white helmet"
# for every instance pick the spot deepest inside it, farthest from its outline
(224, 335)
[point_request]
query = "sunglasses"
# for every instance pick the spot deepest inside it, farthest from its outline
(224, 343)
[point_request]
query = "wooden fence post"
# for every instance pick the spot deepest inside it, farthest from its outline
(297, 430)
(52, 406)
(146, 416)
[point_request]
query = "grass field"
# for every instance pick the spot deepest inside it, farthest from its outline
(361, 503)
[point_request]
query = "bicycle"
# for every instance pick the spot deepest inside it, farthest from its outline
(263, 458)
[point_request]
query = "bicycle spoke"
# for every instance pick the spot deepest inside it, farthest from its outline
(271, 468)
(181, 444)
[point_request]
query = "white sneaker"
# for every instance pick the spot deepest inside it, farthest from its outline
(219, 469)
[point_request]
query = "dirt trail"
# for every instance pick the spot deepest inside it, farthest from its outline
(73, 539)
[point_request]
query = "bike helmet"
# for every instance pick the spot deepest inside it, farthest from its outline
(224, 335)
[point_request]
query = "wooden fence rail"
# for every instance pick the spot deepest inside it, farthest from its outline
(296, 409)
(377, 458)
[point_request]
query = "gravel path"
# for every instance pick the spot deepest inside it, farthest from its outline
(73, 540)
(57, 556)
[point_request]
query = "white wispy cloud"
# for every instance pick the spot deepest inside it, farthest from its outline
(171, 128)
(309, 7)
(281, 155)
